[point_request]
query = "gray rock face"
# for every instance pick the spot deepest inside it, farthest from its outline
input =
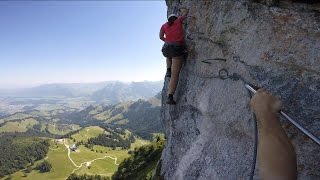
(210, 132)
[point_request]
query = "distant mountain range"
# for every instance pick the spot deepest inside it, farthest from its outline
(141, 117)
(105, 92)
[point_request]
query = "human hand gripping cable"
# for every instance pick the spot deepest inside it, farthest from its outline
(295, 123)
(276, 155)
(264, 105)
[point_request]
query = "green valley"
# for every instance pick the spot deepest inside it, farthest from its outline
(98, 160)
(59, 131)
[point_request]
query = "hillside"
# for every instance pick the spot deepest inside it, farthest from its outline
(18, 152)
(102, 134)
(35, 124)
(119, 92)
(84, 159)
(140, 117)
(142, 162)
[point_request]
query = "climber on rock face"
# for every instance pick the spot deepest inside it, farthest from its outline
(173, 49)
(276, 155)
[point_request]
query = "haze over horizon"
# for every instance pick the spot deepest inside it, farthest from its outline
(13, 87)
(80, 42)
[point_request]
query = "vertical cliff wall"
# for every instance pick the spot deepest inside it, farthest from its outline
(210, 132)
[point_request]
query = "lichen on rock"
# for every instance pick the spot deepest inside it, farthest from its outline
(210, 132)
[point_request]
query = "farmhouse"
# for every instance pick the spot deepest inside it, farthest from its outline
(73, 147)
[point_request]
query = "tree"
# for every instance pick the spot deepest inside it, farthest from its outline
(16, 156)
(136, 165)
(44, 167)
(87, 177)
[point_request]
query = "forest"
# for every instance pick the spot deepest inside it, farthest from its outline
(87, 177)
(141, 163)
(112, 139)
(17, 153)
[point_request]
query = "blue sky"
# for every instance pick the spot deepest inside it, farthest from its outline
(80, 41)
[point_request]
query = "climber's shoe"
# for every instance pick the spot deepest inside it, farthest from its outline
(170, 100)
(168, 74)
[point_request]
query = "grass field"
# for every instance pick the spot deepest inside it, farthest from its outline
(103, 164)
(100, 160)
(97, 109)
(88, 132)
(122, 122)
(40, 113)
(103, 116)
(16, 116)
(57, 157)
(21, 126)
(61, 129)
(24, 125)
(103, 167)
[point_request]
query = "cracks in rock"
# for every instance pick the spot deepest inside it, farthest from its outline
(206, 77)
(190, 108)
(224, 42)
(294, 67)
(238, 59)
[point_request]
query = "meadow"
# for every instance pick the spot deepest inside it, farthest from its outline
(98, 160)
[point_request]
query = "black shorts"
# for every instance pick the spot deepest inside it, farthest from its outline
(173, 50)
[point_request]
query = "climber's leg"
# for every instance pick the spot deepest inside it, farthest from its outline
(169, 63)
(175, 68)
(176, 64)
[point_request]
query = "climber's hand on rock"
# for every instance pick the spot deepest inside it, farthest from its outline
(265, 104)
(184, 11)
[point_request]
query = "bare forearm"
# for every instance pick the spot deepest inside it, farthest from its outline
(277, 159)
